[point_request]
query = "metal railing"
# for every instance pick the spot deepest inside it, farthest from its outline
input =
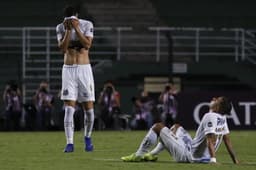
(42, 59)
(198, 43)
(249, 44)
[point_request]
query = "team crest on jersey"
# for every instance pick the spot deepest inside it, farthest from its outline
(209, 124)
(65, 92)
(91, 30)
(85, 94)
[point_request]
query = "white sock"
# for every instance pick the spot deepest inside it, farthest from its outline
(88, 122)
(149, 140)
(69, 124)
(159, 147)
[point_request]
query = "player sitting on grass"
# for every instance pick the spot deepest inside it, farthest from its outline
(202, 149)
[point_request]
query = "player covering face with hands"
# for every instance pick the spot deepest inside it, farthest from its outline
(74, 39)
(202, 148)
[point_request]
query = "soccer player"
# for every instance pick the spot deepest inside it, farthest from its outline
(202, 149)
(75, 37)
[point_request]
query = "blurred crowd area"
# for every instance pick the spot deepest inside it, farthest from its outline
(43, 113)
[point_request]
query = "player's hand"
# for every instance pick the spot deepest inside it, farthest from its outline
(236, 161)
(75, 23)
(67, 24)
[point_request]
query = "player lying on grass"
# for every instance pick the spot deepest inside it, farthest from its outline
(202, 149)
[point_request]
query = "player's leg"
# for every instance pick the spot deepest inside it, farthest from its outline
(152, 155)
(149, 140)
(184, 135)
(88, 124)
(174, 128)
(86, 95)
(175, 145)
(69, 96)
(69, 125)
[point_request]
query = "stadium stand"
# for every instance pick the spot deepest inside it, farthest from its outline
(131, 35)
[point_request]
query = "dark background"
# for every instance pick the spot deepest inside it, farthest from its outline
(197, 13)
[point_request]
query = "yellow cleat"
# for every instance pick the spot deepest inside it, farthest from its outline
(150, 157)
(132, 158)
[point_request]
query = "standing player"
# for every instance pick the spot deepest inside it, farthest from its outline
(75, 39)
(212, 129)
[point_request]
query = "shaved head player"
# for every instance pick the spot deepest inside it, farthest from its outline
(75, 37)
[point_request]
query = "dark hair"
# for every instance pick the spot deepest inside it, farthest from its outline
(225, 105)
(70, 10)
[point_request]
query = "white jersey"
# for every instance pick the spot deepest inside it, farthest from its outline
(211, 123)
(85, 26)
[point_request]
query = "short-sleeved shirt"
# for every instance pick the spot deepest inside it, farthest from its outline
(212, 123)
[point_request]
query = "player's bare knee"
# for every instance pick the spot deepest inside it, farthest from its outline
(157, 127)
(88, 105)
(175, 127)
(70, 103)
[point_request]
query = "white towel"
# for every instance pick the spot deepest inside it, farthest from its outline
(72, 17)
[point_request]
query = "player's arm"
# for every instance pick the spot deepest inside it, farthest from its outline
(86, 41)
(229, 147)
(64, 42)
(211, 139)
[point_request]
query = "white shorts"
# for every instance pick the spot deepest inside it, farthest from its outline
(77, 83)
(175, 145)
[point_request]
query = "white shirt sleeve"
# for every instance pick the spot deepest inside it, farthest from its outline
(88, 29)
(59, 32)
(209, 124)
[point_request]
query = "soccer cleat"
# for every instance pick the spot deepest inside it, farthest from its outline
(149, 157)
(69, 148)
(88, 144)
(132, 158)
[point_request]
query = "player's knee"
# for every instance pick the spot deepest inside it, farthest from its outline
(175, 127)
(157, 127)
(88, 105)
(70, 103)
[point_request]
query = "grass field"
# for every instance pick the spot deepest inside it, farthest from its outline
(44, 151)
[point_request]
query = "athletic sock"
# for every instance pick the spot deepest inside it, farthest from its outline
(149, 140)
(69, 124)
(88, 122)
(159, 147)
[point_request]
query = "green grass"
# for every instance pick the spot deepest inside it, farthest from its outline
(44, 151)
